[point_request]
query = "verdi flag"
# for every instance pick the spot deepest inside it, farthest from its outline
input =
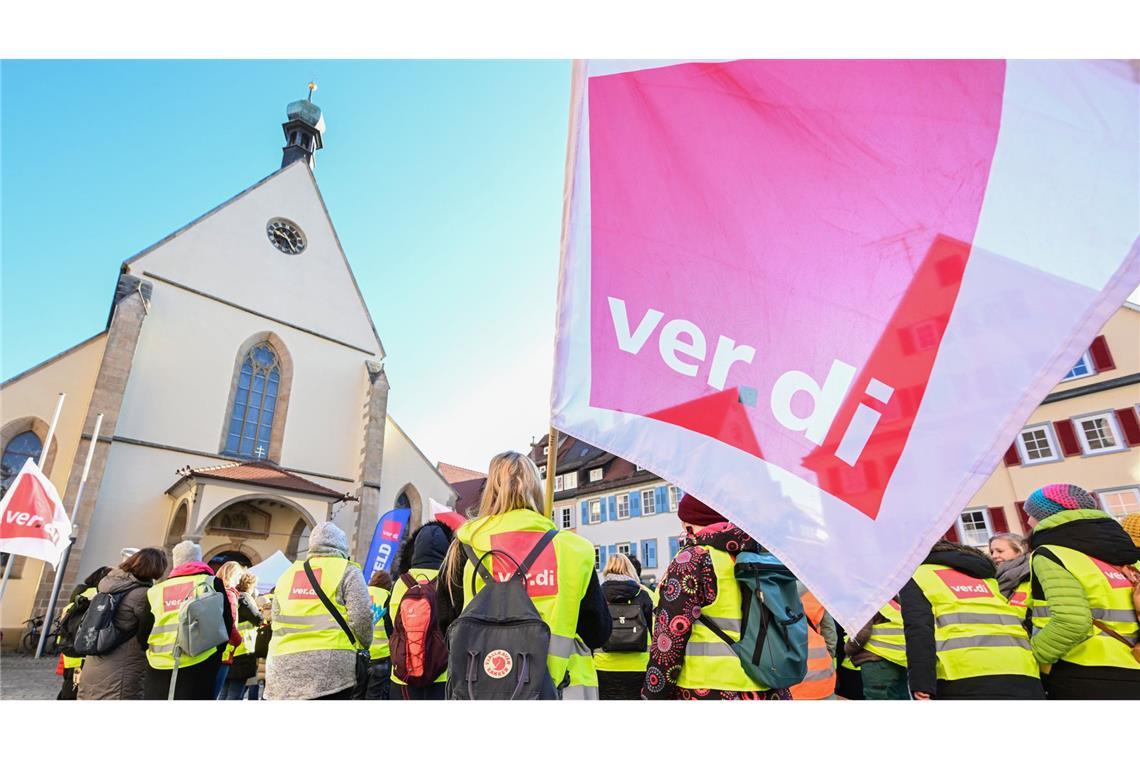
(33, 522)
(385, 540)
(824, 296)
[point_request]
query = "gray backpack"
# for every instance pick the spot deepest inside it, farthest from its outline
(201, 625)
(498, 644)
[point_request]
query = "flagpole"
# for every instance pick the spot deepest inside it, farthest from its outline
(58, 581)
(43, 459)
(551, 464)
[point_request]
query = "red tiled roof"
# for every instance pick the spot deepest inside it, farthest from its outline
(455, 474)
(259, 473)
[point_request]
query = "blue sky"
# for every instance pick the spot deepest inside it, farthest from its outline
(443, 178)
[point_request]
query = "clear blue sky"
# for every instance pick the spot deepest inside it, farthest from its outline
(443, 178)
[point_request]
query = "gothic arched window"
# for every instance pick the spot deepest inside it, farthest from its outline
(255, 402)
(25, 446)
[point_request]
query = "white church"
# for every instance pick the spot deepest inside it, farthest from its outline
(235, 415)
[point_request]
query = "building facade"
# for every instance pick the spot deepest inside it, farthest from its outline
(241, 384)
(618, 506)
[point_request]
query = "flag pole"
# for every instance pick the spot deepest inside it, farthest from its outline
(551, 464)
(58, 581)
(43, 459)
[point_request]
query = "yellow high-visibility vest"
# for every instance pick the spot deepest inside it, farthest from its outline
(1021, 598)
(557, 582)
(75, 662)
(976, 631)
(709, 662)
(379, 648)
(166, 599)
(627, 662)
(248, 633)
(1110, 601)
(887, 639)
(302, 622)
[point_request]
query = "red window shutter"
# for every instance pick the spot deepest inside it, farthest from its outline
(1024, 515)
(998, 521)
(952, 534)
(1068, 435)
(1012, 457)
(1130, 424)
(1101, 356)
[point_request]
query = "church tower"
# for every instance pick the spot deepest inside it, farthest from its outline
(303, 131)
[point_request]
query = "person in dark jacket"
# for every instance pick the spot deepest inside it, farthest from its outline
(621, 671)
(88, 588)
(121, 672)
(195, 681)
(419, 557)
(1078, 551)
(919, 623)
(244, 665)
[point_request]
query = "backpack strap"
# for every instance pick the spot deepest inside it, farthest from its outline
(408, 580)
(477, 563)
(539, 546)
(707, 622)
(329, 605)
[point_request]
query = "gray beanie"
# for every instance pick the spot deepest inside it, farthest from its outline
(187, 551)
(328, 540)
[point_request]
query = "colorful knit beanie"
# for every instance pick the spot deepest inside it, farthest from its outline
(1057, 497)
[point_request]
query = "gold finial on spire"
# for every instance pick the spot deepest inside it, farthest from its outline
(312, 87)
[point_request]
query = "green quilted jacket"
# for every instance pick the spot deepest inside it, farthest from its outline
(1070, 622)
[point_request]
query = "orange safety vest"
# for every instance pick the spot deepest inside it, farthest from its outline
(819, 683)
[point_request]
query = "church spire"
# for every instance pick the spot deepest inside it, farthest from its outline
(304, 131)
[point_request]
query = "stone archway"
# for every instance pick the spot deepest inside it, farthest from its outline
(409, 497)
(255, 526)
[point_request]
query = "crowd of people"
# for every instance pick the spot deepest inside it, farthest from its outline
(1053, 615)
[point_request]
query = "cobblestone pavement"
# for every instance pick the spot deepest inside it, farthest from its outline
(23, 677)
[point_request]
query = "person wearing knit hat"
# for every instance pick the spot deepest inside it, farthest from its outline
(1131, 525)
(700, 572)
(196, 676)
(1076, 547)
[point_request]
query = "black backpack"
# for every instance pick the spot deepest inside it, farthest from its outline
(630, 631)
(68, 624)
(97, 633)
(498, 644)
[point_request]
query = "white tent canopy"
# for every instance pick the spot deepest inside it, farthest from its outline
(269, 570)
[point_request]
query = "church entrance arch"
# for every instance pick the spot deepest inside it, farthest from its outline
(252, 528)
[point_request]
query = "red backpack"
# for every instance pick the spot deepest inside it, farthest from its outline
(418, 648)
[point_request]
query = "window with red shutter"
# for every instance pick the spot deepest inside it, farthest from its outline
(998, 521)
(1020, 505)
(1068, 435)
(1012, 457)
(952, 534)
(1130, 425)
(1100, 354)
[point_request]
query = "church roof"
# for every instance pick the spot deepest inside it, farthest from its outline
(455, 474)
(259, 473)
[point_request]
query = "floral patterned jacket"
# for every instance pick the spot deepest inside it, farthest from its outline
(689, 584)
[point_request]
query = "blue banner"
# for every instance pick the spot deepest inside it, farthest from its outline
(385, 540)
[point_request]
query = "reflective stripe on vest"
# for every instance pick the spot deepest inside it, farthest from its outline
(819, 681)
(1109, 595)
(399, 588)
(976, 630)
(379, 648)
(887, 639)
(302, 623)
(166, 599)
(564, 568)
(582, 672)
(709, 662)
(75, 662)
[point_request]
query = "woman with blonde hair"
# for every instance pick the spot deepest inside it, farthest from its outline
(561, 583)
(230, 575)
(243, 660)
(1010, 554)
(623, 659)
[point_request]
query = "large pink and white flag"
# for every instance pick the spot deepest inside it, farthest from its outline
(33, 522)
(824, 296)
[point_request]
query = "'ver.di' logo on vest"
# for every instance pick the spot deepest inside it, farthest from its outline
(542, 580)
(1114, 575)
(174, 595)
(962, 585)
(300, 588)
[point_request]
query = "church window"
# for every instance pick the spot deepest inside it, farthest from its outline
(255, 401)
(20, 449)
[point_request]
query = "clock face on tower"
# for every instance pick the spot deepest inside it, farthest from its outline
(285, 236)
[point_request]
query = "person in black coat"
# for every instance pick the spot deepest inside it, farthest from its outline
(921, 653)
(623, 659)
